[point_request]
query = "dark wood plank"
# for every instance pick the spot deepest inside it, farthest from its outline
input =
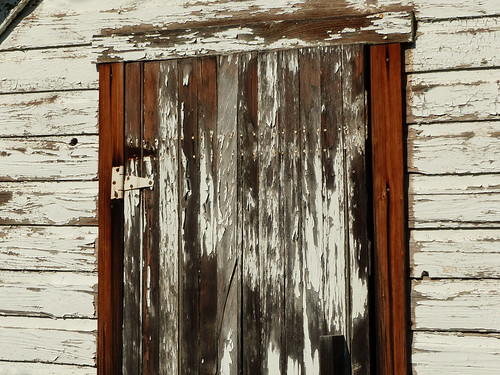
(270, 247)
(291, 209)
(207, 135)
(227, 211)
(333, 187)
(312, 202)
(249, 190)
(190, 247)
(388, 192)
(168, 156)
(111, 98)
(132, 287)
(150, 254)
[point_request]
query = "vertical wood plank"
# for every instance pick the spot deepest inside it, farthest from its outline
(132, 252)
(354, 116)
(207, 135)
(150, 294)
(388, 193)
(249, 196)
(168, 156)
(291, 209)
(333, 188)
(111, 98)
(226, 241)
(312, 204)
(189, 194)
(270, 248)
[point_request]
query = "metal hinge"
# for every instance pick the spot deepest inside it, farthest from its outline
(121, 183)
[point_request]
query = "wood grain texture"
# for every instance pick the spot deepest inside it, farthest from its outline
(49, 158)
(168, 154)
(52, 113)
(453, 96)
(228, 250)
(18, 368)
(44, 248)
(389, 209)
(161, 44)
(48, 203)
(454, 184)
(455, 44)
(456, 305)
(110, 245)
(455, 353)
(452, 148)
(63, 69)
(56, 341)
(461, 253)
(132, 241)
(48, 294)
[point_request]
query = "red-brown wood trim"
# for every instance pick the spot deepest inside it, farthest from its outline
(389, 209)
(110, 214)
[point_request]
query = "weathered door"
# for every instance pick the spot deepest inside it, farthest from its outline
(251, 249)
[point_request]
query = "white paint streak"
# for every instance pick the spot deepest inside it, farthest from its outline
(273, 359)
(226, 361)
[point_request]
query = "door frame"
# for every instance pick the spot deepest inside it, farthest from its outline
(389, 254)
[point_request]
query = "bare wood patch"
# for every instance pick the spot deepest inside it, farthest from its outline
(453, 96)
(61, 158)
(455, 44)
(454, 148)
(52, 113)
(50, 203)
(45, 248)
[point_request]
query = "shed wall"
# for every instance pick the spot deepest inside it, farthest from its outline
(48, 171)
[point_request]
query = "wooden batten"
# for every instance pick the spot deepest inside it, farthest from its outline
(160, 44)
(389, 210)
(111, 145)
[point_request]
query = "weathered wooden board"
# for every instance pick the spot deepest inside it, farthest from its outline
(9, 11)
(48, 294)
(454, 184)
(453, 96)
(42, 248)
(49, 158)
(50, 203)
(67, 22)
(450, 148)
(455, 353)
(51, 113)
(456, 305)
(166, 44)
(20, 368)
(455, 44)
(57, 341)
(63, 69)
(455, 253)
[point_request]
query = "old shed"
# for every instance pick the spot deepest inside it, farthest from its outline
(325, 187)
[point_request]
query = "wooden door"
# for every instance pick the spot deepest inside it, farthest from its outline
(251, 250)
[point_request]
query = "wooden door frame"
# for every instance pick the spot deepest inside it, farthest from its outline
(390, 259)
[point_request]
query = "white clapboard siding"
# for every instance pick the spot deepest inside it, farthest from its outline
(454, 201)
(49, 113)
(52, 203)
(50, 294)
(455, 44)
(67, 22)
(455, 353)
(453, 96)
(460, 253)
(26, 368)
(49, 158)
(43, 248)
(50, 69)
(468, 147)
(456, 305)
(68, 341)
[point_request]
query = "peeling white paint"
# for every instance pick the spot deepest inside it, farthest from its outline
(273, 359)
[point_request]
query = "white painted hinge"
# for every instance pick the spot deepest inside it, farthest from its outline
(121, 183)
